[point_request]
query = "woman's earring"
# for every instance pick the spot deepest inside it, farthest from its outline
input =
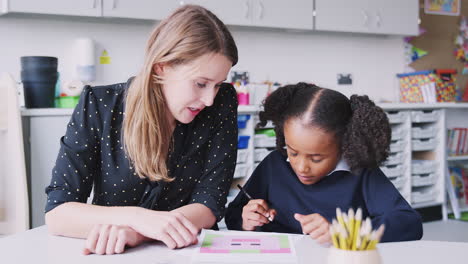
(287, 159)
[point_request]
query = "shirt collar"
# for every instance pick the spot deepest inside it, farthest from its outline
(341, 166)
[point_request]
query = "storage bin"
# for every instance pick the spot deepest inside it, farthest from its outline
(242, 155)
(241, 170)
(243, 142)
(423, 132)
(264, 141)
(398, 181)
(261, 153)
(423, 144)
(423, 166)
(397, 145)
(393, 170)
(423, 195)
(423, 116)
(418, 180)
(395, 158)
(398, 132)
(395, 117)
(428, 86)
(242, 121)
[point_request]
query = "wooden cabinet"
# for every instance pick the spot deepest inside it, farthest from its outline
(398, 17)
(53, 7)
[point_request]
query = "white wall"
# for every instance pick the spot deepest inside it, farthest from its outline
(267, 54)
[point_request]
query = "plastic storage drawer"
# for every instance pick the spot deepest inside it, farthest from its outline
(395, 117)
(418, 180)
(423, 116)
(423, 132)
(395, 158)
(242, 155)
(423, 144)
(397, 146)
(264, 141)
(393, 170)
(398, 132)
(241, 170)
(398, 182)
(423, 195)
(261, 153)
(423, 166)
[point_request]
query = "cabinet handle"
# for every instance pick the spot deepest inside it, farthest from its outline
(378, 19)
(366, 17)
(94, 3)
(247, 9)
(260, 3)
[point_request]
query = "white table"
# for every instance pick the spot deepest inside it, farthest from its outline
(37, 246)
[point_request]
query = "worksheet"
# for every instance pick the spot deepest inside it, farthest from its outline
(244, 247)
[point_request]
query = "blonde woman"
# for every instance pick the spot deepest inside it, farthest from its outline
(158, 151)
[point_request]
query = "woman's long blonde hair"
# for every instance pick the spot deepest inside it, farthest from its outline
(187, 34)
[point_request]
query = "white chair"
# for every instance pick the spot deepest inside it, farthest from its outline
(14, 206)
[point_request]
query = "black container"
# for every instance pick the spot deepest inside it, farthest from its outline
(39, 94)
(38, 62)
(39, 75)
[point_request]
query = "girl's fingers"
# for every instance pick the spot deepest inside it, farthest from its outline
(113, 236)
(309, 227)
(253, 216)
(101, 244)
(189, 226)
(320, 231)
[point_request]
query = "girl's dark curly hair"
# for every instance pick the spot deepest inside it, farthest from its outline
(360, 127)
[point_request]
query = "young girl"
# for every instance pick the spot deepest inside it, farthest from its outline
(159, 151)
(329, 149)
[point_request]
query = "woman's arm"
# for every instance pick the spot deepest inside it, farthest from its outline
(78, 219)
(200, 215)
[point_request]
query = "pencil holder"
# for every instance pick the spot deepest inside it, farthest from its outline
(340, 256)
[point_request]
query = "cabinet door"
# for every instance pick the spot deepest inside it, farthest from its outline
(230, 12)
(342, 15)
(55, 7)
(141, 9)
(397, 17)
(45, 134)
(283, 14)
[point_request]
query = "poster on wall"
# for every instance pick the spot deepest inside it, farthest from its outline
(442, 7)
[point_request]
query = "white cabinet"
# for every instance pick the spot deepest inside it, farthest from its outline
(141, 9)
(53, 7)
(230, 12)
(262, 13)
(368, 16)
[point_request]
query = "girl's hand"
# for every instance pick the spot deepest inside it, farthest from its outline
(256, 213)
(316, 226)
(111, 239)
(172, 228)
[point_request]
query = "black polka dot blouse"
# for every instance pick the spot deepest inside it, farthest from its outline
(91, 156)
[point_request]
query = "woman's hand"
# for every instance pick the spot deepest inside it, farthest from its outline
(256, 213)
(316, 226)
(172, 228)
(111, 239)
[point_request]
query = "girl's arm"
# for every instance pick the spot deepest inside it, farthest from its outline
(200, 215)
(386, 206)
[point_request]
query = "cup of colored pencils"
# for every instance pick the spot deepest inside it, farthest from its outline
(353, 239)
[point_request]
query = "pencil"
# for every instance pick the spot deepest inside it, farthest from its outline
(250, 198)
(357, 227)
